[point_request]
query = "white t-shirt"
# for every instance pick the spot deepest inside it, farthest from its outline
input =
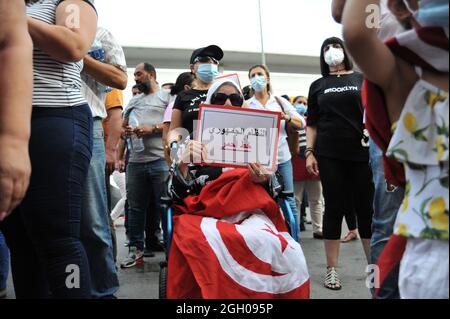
(272, 105)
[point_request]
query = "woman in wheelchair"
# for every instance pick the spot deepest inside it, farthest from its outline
(230, 239)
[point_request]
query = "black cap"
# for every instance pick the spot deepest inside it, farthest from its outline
(212, 51)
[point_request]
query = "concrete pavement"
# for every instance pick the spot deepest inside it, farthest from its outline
(142, 282)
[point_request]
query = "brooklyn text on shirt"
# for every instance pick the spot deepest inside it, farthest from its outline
(341, 89)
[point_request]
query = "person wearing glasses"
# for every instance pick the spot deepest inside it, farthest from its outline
(226, 93)
(263, 99)
(222, 92)
(202, 183)
(205, 67)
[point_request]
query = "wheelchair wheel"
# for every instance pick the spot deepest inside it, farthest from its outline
(163, 281)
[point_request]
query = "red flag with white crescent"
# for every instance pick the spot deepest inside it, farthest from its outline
(247, 254)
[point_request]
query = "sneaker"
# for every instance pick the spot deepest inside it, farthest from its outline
(148, 253)
(135, 258)
(2, 293)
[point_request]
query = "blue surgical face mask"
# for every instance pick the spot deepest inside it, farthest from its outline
(207, 72)
(433, 13)
(259, 83)
(301, 108)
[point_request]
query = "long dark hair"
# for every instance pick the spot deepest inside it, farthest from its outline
(324, 67)
(183, 79)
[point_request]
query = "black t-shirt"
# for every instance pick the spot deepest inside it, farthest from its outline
(188, 102)
(335, 109)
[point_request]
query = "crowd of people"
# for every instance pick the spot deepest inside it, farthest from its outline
(370, 147)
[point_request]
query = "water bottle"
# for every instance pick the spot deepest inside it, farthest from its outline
(136, 143)
(98, 53)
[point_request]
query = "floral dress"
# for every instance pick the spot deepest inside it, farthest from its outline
(421, 142)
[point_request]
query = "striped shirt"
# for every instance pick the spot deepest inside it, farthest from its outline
(56, 83)
(302, 138)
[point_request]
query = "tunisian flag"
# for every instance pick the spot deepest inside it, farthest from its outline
(231, 242)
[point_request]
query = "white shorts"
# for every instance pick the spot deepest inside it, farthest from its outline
(424, 270)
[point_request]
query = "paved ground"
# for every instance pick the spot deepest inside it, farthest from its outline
(142, 282)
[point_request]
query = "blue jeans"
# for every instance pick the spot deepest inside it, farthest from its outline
(48, 258)
(4, 262)
(285, 169)
(95, 229)
(386, 205)
(145, 183)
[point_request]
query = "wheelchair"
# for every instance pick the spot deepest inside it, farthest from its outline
(167, 202)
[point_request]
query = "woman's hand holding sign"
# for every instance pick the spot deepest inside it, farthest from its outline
(259, 174)
(194, 153)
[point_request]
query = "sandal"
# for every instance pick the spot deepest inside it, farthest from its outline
(332, 280)
(351, 236)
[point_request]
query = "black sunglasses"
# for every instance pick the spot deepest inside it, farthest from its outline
(221, 99)
(206, 59)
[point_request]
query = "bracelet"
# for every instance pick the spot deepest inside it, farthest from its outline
(309, 151)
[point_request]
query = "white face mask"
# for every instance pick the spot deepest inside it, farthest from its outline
(334, 56)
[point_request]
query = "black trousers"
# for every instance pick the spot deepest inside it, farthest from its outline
(347, 187)
(48, 258)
